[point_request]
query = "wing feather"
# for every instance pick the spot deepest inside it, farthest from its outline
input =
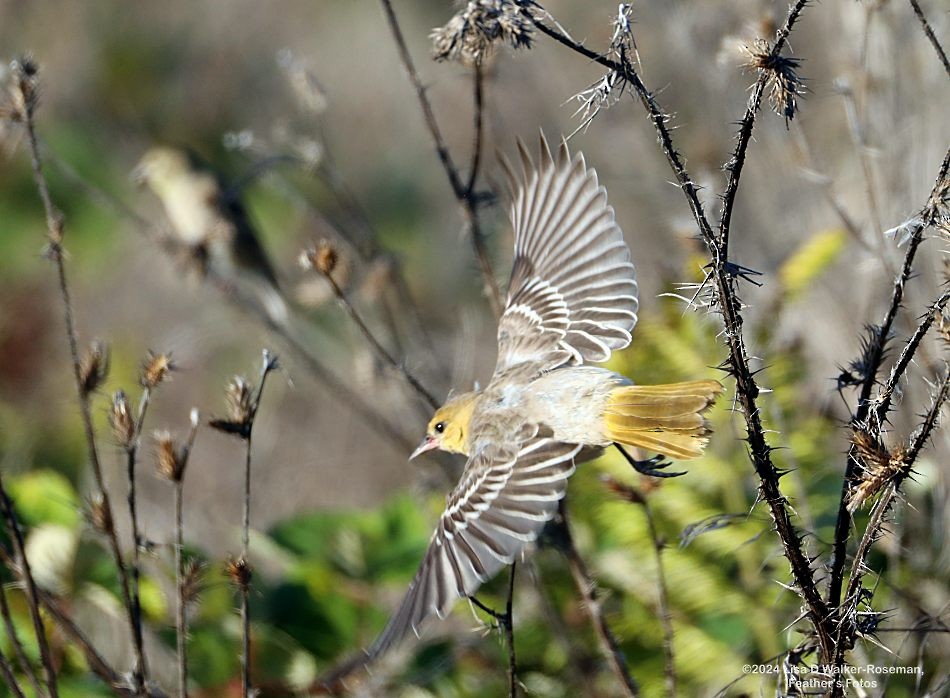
(572, 296)
(497, 508)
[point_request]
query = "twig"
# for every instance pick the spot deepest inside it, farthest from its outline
(30, 589)
(506, 626)
(25, 667)
(870, 372)
(26, 78)
(464, 195)
(381, 351)
(587, 588)
(663, 602)
(244, 403)
(7, 671)
(925, 25)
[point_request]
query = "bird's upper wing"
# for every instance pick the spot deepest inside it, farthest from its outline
(572, 296)
(502, 501)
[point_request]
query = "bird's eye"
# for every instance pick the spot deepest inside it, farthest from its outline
(440, 427)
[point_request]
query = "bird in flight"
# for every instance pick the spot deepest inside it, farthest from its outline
(572, 300)
(212, 223)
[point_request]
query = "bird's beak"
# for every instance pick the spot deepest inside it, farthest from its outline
(428, 443)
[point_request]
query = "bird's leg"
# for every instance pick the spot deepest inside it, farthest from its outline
(652, 467)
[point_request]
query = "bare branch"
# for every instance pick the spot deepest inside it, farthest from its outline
(931, 37)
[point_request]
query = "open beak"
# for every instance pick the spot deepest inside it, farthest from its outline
(428, 443)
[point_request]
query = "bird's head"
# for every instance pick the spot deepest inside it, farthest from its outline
(160, 166)
(448, 428)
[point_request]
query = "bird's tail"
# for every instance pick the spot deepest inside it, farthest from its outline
(665, 419)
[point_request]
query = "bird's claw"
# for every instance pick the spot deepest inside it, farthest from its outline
(651, 467)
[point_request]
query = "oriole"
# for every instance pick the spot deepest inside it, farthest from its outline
(572, 300)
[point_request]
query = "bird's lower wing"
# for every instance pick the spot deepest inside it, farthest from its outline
(500, 505)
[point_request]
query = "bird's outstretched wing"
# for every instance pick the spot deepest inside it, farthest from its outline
(572, 296)
(499, 506)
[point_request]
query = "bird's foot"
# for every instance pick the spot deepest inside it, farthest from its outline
(651, 467)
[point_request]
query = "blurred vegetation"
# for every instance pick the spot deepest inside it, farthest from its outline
(341, 522)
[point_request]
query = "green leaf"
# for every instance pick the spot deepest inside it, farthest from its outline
(45, 496)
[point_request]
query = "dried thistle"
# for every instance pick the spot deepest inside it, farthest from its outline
(121, 420)
(879, 466)
(193, 580)
(322, 258)
(155, 369)
(238, 571)
(171, 456)
(241, 408)
(784, 84)
(94, 367)
(859, 370)
(471, 35)
(99, 515)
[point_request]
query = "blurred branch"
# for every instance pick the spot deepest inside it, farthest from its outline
(723, 275)
(873, 357)
(7, 671)
(587, 588)
(14, 637)
(663, 603)
(320, 372)
(929, 32)
(465, 195)
(323, 261)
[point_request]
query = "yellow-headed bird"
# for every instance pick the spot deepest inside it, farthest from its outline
(213, 224)
(572, 300)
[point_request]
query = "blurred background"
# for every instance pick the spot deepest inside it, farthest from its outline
(340, 517)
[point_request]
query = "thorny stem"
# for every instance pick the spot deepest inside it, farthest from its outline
(30, 591)
(14, 638)
(478, 83)
(378, 348)
(864, 405)
(746, 387)
(587, 588)
(464, 195)
(925, 25)
(847, 628)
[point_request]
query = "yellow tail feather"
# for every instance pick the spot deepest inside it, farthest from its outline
(665, 419)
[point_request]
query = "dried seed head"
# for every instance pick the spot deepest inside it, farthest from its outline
(94, 367)
(26, 96)
(172, 457)
(323, 258)
(238, 571)
(878, 467)
(471, 35)
(99, 515)
(193, 579)
(240, 398)
(121, 420)
(155, 369)
(943, 328)
(784, 84)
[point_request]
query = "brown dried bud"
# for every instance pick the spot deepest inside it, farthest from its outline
(156, 369)
(784, 83)
(172, 457)
(121, 420)
(323, 257)
(100, 516)
(878, 467)
(240, 395)
(238, 571)
(192, 580)
(94, 367)
(26, 95)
